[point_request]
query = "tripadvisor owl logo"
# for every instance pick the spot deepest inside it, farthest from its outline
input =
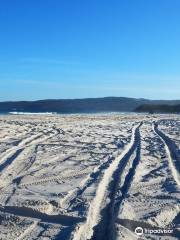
(139, 231)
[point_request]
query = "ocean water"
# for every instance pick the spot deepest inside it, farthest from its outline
(74, 113)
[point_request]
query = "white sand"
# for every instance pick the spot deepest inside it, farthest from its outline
(88, 176)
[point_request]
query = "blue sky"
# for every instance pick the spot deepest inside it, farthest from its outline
(78, 49)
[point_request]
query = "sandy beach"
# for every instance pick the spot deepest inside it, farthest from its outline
(89, 176)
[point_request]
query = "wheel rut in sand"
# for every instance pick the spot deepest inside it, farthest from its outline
(10, 159)
(104, 203)
(27, 212)
(71, 196)
(173, 156)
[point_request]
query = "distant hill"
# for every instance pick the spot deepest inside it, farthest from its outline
(87, 105)
(158, 108)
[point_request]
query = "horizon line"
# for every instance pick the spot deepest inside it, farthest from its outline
(56, 99)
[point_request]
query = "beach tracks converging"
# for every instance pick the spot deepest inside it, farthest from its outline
(102, 214)
(89, 177)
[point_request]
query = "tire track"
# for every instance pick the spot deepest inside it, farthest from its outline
(10, 159)
(93, 177)
(61, 219)
(14, 152)
(11, 154)
(71, 196)
(57, 178)
(103, 205)
(27, 231)
(15, 161)
(173, 156)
